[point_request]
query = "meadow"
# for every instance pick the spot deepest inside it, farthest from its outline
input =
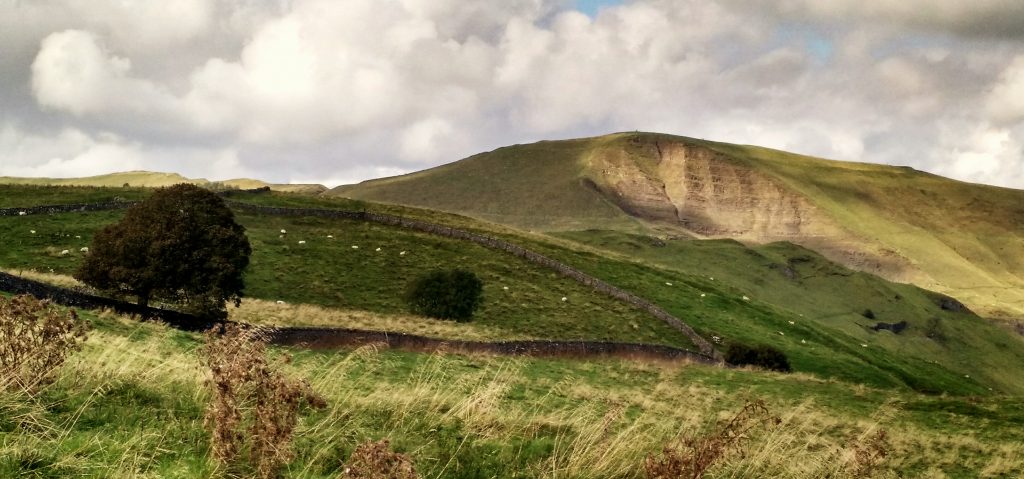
(131, 403)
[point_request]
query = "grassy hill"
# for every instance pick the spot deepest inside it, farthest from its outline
(131, 403)
(814, 314)
(961, 239)
(150, 179)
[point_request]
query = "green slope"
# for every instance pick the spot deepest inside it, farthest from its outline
(961, 239)
(151, 179)
(816, 307)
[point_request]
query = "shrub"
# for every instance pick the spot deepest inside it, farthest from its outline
(763, 356)
(35, 339)
(692, 456)
(376, 460)
(451, 294)
(868, 314)
(254, 408)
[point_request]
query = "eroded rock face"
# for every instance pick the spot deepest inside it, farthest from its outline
(706, 193)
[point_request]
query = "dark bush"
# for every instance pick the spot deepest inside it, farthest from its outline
(451, 294)
(868, 314)
(761, 355)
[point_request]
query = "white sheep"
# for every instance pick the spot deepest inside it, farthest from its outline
(84, 249)
(702, 295)
(564, 298)
(65, 253)
(863, 345)
(280, 302)
(355, 247)
(22, 213)
(668, 284)
(32, 231)
(781, 333)
(791, 322)
(284, 232)
(330, 236)
(504, 288)
(78, 236)
(745, 298)
(402, 253)
(302, 241)
(378, 250)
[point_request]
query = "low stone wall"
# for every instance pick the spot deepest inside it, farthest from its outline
(330, 338)
(494, 243)
(635, 301)
(52, 209)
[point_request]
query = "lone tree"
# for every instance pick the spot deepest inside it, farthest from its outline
(180, 245)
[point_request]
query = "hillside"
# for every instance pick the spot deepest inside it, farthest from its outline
(957, 238)
(131, 403)
(152, 179)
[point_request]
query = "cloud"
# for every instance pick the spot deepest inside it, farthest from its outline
(349, 89)
(1005, 103)
(980, 18)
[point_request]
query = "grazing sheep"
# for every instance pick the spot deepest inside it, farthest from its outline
(745, 298)
(781, 333)
(284, 232)
(378, 249)
(355, 247)
(504, 288)
(702, 295)
(330, 236)
(85, 249)
(863, 345)
(78, 236)
(668, 284)
(302, 242)
(280, 302)
(791, 322)
(564, 298)
(22, 213)
(65, 253)
(402, 253)
(32, 231)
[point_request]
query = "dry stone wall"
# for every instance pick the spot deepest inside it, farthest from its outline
(702, 344)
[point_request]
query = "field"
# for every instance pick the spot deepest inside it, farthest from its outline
(131, 403)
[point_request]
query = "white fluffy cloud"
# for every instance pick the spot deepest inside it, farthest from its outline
(350, 89)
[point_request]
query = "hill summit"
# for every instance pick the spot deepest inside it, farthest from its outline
(958, 238)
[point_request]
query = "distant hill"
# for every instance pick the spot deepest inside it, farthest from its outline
(156, 179)
(962, 239)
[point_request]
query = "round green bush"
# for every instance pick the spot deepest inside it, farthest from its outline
(453, 294)
(762, 356)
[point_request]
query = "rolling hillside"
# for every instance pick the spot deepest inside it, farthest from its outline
(151, 179)
(962, 239)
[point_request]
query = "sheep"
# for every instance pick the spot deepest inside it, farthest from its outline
(791, 322)
(330, 236)
(84, 249)
(668, 284)
(280, 302)
(702, 295)
(781, 333)
(22, 213)
(78, 236)
(564, 298)
(863, 345)
(355, 247)
(302, 241)
(402, 253)
(504, 288)
(32, 231)
(284, 232)
(65, 253)
(745, 298)
(377, 250)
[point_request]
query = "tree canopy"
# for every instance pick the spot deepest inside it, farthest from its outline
(180, 245)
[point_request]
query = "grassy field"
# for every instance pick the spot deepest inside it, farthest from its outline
(959, 238)
(815, 316)
(131, 405)
(151, 179)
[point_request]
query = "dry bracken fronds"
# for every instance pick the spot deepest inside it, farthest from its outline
(868, 454)
(35, 339)
(254, 407)
(693, 456)
(376, 460)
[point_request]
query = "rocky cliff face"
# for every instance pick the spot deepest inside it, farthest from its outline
(705, 192)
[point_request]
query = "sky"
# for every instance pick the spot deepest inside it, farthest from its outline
(339, 91)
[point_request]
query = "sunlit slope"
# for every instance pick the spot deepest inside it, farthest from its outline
(153, 179)
(962, 239)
